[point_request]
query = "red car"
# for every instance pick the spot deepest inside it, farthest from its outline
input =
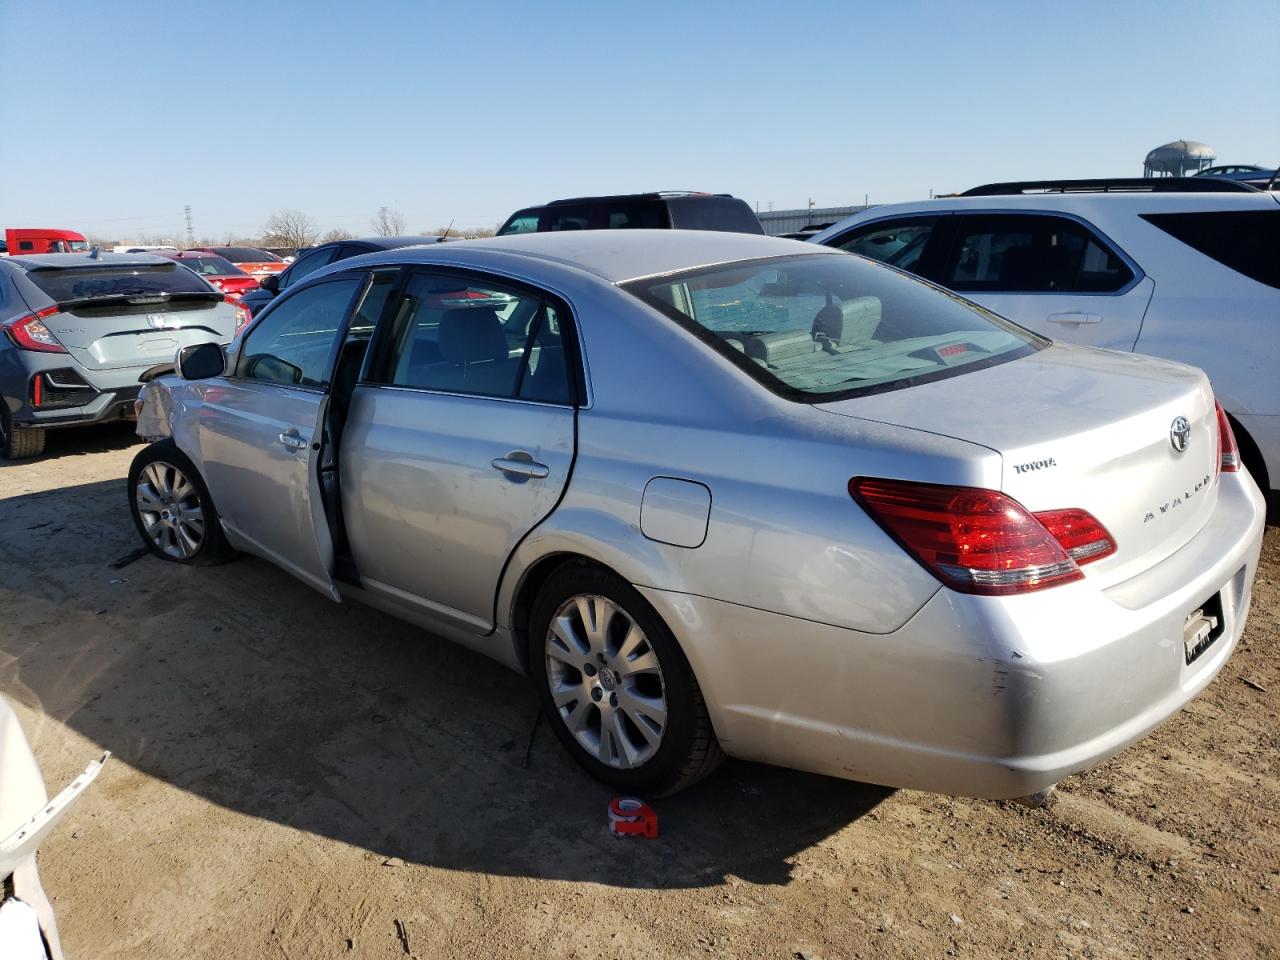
(255, 262)
(219, 271)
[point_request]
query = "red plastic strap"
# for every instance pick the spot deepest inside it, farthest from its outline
(633, 818)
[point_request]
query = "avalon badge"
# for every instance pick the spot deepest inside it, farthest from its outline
(1180, 434)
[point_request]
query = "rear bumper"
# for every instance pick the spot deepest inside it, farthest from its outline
(99, 396)
(980, 696)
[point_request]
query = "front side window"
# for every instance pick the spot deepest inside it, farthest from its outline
(899, 243)
(566, 218)
(1021, 253)
(820, 327)
(459, 336)
(292, 343)
(309, 264)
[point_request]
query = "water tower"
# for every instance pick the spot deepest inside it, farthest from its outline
(1181, 158)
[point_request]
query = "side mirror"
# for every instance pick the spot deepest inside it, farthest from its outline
(270, 283)
(200, 361)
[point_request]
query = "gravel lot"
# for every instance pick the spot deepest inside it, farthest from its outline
(298, 779)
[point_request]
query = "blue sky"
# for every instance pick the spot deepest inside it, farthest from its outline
(119, 114)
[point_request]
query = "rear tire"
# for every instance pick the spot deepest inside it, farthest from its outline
(172, 509)
(19, 443)
(618, 691)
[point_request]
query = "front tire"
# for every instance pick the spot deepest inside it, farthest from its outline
(615, 685)
(172, 509)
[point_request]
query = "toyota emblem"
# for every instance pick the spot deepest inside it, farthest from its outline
(1180, 434)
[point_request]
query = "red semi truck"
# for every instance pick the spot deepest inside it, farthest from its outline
(43, 240)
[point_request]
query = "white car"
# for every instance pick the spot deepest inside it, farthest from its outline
(27, 927)
(1191, 276)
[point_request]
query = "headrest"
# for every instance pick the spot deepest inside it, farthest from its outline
(472, 334)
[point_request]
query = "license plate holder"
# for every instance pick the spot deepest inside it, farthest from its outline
(1202, 629)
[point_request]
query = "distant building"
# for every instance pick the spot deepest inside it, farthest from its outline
(777, 222)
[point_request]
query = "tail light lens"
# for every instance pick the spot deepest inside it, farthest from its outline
(1227, 447)
(982, 541)
(28, 332)
(243, 316)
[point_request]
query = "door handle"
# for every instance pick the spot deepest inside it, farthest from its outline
(1075, 318)
(520, 464)
(292, 440)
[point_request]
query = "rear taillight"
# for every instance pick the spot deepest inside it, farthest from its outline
(982, 541)
(243, 316)
(1079, 532)
(28, 332)
(1228, 450)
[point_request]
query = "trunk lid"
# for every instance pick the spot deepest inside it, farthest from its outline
(1078, 427)
(111, 335)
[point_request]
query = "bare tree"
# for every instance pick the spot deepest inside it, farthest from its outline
(388, 223)
(289, 228)
(462, 233)
(337, 233)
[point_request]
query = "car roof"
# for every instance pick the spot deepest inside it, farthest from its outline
(623, 197)
(1081, 204)
(391, 243)
(613, 255)
(66, 261)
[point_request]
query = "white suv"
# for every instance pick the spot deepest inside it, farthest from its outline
(1129, 265)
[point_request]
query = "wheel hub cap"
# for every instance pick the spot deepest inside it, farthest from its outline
(605, 681)
(170, 509)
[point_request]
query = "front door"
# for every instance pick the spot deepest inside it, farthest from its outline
(1051, 274)
(459, 441)
(259, 431)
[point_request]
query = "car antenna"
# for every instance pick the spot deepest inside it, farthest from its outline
(444, 236)
(1271, 184)
(95, 253)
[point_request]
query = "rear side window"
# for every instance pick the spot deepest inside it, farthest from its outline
(713, 213)
(899, 243)
(459, 336)
(1246, 241)
(1020, 253)
(292, 343)
(137, 280)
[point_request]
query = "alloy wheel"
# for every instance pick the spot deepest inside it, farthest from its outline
(605, 681)
(171, 511)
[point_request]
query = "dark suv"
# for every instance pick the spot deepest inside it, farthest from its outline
(668, 210)
(311, 260)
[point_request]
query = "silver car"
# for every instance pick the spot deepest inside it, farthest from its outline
(719, 493)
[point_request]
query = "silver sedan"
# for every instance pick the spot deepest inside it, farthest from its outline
(724, 494)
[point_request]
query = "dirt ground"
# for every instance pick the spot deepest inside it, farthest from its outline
(298, 779)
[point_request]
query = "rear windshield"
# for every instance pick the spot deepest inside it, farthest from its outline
(211, 266)
(523, 221)
(1247, 241)
(138, 280)
(245, 255)
(817, 328)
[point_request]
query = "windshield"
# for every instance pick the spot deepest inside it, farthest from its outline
(212, 266)
(139, 280)
(816, 327)
(79, 246)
